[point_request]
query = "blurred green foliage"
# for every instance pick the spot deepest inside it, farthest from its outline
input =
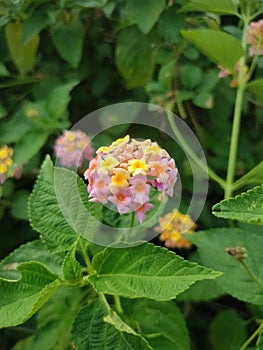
(63, 59)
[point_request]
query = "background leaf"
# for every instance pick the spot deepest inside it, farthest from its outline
(145, 271)
(134, 57)
(29, 145)
(31, 251)
(19, 204)
(256, 88)
(145, 13)
(254, 176)
(225, 7)
(58, 99)
(22, 55)
(32, 26)
(160, 318)
(54, 320)
(227, 331)
(219, 47)
(235, 280)
(22, 298)
(68, 40)
(246, 207)
(89, 331)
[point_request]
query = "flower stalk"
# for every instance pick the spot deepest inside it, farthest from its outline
(237, 117)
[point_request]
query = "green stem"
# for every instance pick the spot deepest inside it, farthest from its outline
(103, 298)
(131, 226)
(117, 302)
(250, 273)
(237, 118)
(252, 337)
(86, 257)
(189, 151)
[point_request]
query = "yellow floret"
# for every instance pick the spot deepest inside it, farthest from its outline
(137, 166)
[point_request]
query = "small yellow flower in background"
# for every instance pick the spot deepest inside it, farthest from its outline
(172, 228)
(6, 162)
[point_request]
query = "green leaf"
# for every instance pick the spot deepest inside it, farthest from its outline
(4, 72)
(166, 75)
(29, 145)
(235, 280)
(13, 129)
(33, 25)
(71, 267)
(256, 89)
(59, 98)
(22, 298)
(44, 212)
(204, 100)
(68, 41)
(87, 3)
(24, 344)
(163, 319)
(144, 13)
(249, 6)
(227, 331)
(134, 57)
(59, 230)
(191, 76)
(219, 47)
(170, 24)
(254, 176)
(27, 252)
(89, 331)
(223, 7)
(259, 345)
(113, 319)
(54, 320)
(19, 204)
(246, 207)
(136, 272)
(22, 55)
(201, 290)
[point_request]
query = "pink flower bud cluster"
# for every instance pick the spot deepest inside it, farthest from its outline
(255, 38)
(124, 172)
(72, 148)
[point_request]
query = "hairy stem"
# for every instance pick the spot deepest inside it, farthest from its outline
(237, 118)
(118, 306)
(131, 225)
(86, 257)
(250, 273)
(252, 337)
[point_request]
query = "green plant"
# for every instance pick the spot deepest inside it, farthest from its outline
(62, 60)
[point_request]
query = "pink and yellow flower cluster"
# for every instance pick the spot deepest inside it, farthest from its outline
(124, 172)
(72, 148)
(172, 228)
(7, 166)
(255, 38)
(6, 162)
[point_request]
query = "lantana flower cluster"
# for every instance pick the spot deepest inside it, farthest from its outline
(6, 162)
(72, 148)
(172, 228)
(124, 172)
(255, 38)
